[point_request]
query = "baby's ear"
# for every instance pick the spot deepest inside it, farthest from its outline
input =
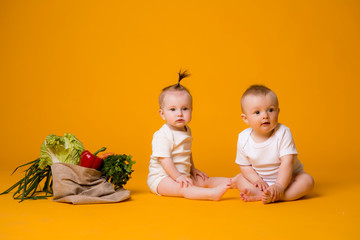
(161, 112)
(244, 118)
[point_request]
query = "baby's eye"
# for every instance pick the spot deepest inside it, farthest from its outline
(257, 112)
(172, 109)
(271, 110)
(185, 108)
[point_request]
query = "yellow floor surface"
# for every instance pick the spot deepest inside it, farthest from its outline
(331, 212)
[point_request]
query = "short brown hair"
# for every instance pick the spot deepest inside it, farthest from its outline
(257, 90)
(175, 88)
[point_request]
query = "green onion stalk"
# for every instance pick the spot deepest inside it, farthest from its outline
(29, 186)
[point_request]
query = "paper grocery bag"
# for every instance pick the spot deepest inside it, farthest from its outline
(80, 185)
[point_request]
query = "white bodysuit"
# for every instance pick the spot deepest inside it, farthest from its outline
(169, 143)
(264, 157)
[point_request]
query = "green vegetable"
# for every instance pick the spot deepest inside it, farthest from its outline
(28, 187)
(117, 169)
(54, 149)
(65, 149)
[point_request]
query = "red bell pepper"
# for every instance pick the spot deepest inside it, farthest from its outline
(89, 160)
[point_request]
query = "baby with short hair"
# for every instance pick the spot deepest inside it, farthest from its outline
(171, 170)
(266, 152)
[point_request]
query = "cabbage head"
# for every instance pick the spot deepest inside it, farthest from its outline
(65, 149)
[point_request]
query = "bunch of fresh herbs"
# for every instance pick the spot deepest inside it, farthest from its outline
(117, 169)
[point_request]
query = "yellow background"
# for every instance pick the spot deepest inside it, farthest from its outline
(96, 68)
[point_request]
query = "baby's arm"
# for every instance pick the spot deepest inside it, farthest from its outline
(250, 174)
(169, 167)
(283, 179)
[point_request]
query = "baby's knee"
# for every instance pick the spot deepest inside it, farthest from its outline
(199, 181)
(237, 178)
(309, 181)
(237, 182)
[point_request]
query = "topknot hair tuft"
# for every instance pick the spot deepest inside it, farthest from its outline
(182, 75)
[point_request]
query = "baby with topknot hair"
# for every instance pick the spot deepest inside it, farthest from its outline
(171, 171)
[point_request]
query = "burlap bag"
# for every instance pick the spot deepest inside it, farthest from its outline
(79, 185)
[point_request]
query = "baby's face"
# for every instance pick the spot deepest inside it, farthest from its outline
(261, 113)
(176, 110)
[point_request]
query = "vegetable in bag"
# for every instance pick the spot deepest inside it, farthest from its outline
(65, 149)
(37, 182)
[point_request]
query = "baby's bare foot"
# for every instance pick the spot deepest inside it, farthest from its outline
(265, 198)
(250, 195)
(220, 190)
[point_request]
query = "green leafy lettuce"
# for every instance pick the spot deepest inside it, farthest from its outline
(55, 149)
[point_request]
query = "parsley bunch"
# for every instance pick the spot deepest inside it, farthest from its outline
(117, 169)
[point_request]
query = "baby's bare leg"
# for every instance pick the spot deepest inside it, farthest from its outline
(248, 192)
(210, 182)
(168, 187)
(301, 185)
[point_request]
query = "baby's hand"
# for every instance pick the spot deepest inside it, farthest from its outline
(276, 192)
(261, 184)
(195, 173)
(184, 181)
